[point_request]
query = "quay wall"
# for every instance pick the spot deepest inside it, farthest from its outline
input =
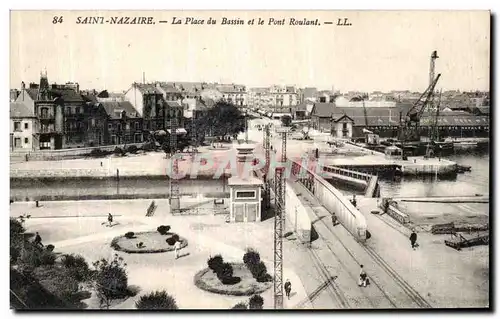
(56, 155)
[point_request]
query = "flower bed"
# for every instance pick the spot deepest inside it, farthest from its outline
(152, 240)
(207, 280)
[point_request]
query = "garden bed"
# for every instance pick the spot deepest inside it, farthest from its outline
(207, 280)
(153, 242)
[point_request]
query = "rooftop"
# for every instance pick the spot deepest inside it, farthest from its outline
(20, 110)
(114, 109)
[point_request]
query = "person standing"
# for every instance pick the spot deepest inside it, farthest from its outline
(413, 239)
(362, 277)
(288, 288)
(38, 240)
(177, 248)
(110, 219)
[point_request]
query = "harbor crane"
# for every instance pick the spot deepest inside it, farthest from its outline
(410, 125)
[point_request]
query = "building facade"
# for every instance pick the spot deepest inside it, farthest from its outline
(24, 125)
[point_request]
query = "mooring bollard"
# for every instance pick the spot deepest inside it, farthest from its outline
(37, 204)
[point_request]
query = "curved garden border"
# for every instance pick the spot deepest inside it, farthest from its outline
(114, 244)
(255, 289)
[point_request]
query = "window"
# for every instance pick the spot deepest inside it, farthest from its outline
(17, 142)
(26, 126)
(110, 126)
(17, 126)
(68, 110)
(119, 126)
(92, 121)
(77, 110)
(245, 194)
(137, 138)
(136, 125)
(44, 112)
(26, 140)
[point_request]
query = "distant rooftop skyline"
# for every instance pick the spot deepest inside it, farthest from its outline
(381, 51)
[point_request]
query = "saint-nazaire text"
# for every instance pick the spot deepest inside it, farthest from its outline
(115, 20)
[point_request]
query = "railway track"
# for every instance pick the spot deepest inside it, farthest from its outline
(403, 284)
(329, 285)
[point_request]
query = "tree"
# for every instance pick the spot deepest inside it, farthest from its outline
(156, 300)
(223, 119)
(286, 120)
(110, 280)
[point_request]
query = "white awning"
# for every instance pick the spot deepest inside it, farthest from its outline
(179, 131)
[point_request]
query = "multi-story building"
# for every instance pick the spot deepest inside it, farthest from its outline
(49, 109)
(284, 95)
(233, 93)
(123, 124)
(149, 103)
(23, 128)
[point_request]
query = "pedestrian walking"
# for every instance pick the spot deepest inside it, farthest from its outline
(38, 240)
(413, 239)
(353, 201)
(177, 248)
(363, 278)
(110, 219)
(334, 219)
(288, 288)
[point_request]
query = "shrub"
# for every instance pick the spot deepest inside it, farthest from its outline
(97, 152)
(118, 151)
(146, 147)
(47, 257)
(111, 278)
(16, 227)
(175, 237)
(156, 300)
(33, 256)
(225, 272)
(251, 257)
(256, 302)
(171, 241)
(132, 149)
(129, 234)
(265, 278)
(258, 270)
(163, 229)
(215, 263)
(57, 281)
(230, 280)
(240, 305)
(15, 253)
(50, 247)
(77, 265)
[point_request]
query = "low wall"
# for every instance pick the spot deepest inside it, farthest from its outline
(55, 155)
(332, 199)
(394, 212)
(296, 214)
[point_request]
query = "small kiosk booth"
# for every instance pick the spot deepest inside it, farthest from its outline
(393, 153)
(245, 190)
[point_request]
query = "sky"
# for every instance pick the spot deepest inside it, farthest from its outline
(380, 51)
